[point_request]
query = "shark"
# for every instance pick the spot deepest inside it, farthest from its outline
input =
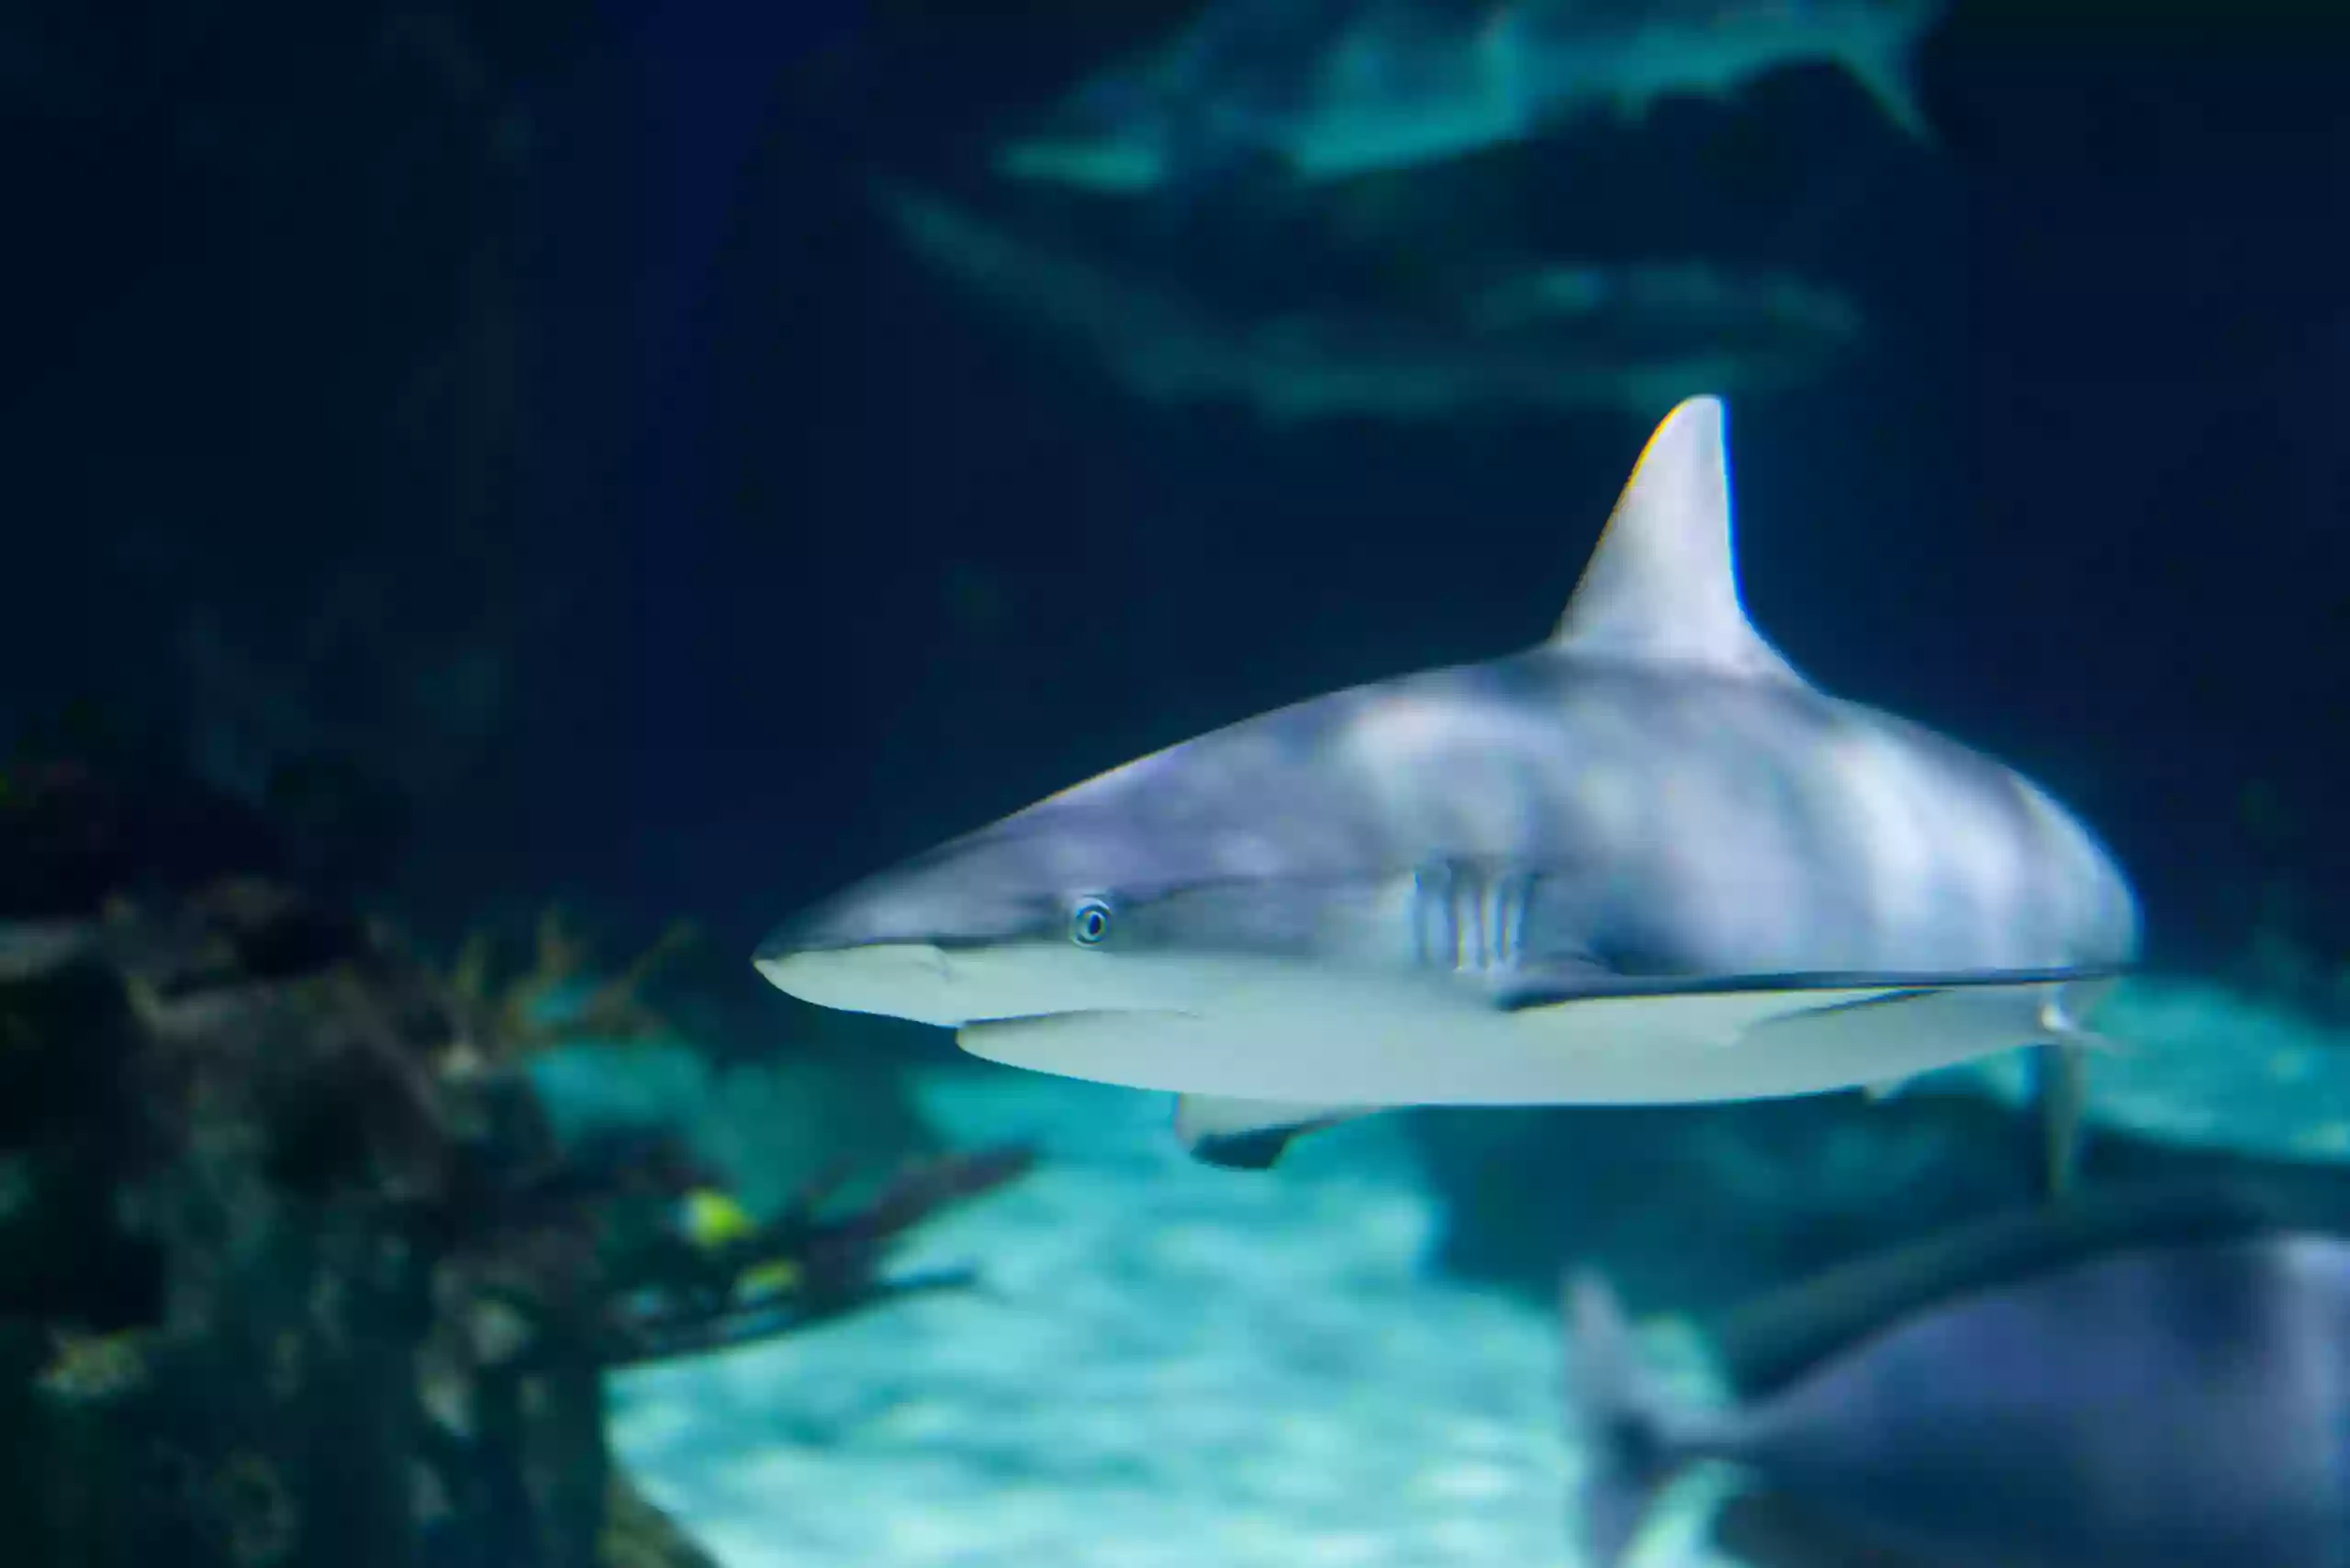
(1644, 861)
(1328, 90)
(1547, 335)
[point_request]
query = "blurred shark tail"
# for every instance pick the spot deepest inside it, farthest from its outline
(1888, 72)
(1634, 1443)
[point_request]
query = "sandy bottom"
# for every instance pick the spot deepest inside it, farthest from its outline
(1171, 1365)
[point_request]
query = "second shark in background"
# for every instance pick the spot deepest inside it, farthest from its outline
(1330, 89)
(1635, 337)
(2146, 1378)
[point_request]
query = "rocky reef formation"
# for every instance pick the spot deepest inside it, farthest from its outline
(294, 1267)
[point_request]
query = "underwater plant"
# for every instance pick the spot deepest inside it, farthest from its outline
(560, 996)
(292, 1267)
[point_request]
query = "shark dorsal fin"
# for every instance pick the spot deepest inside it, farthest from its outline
(1661, 585)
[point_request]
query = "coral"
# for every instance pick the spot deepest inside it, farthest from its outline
(559, 998)
(288, 1236)
(92, 1368)
(255, 1510)
(679, 1293)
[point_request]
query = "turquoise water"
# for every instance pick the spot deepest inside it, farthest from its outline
(1173, 1364)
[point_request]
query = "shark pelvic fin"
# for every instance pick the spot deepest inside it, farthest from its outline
(1248, 1134)
(1662, 583)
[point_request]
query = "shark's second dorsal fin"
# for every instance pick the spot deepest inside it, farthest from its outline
(1661, 585)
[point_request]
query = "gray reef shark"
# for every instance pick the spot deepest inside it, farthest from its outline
(1635, 336)
(1644, 861)
(1330, 89)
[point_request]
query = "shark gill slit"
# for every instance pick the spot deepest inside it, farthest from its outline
(1468, 919)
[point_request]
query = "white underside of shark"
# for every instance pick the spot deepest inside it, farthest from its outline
(1266, 1042)
(1394, 1044)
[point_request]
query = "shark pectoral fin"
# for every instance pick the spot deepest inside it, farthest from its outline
(1249, 1134)
(1554, 982)
(1081, 1044)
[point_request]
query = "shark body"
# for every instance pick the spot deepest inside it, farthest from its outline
(1332, 89)
(1644, 861)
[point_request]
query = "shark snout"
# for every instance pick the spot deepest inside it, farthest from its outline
(900, 979)
(859, 953)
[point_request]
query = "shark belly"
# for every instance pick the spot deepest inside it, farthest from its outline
(1396, 1045)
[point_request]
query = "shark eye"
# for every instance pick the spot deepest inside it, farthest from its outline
(1088, 923)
